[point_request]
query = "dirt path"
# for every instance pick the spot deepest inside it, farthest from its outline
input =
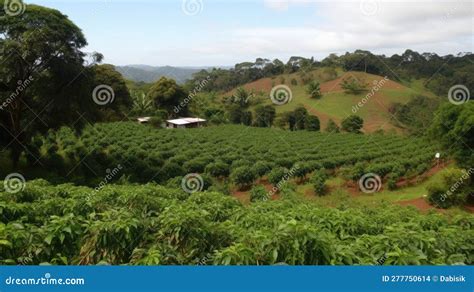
(404, 182)
(419, 203)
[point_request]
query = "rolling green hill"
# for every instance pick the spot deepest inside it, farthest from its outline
(335, 103)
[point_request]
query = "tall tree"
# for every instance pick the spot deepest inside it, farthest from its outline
(453, 126)
(264, 115)
(108, 76)
(43, 82)
(300, 114)
(167, 94)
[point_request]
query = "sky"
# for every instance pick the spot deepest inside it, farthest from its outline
(226, 32)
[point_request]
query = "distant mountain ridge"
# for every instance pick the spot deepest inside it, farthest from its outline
(149, 74)
(146, 73)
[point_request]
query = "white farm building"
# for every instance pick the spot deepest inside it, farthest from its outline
(185, 123)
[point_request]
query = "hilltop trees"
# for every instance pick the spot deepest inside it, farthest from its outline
(107, 75)
(43, 81)
(167, 94)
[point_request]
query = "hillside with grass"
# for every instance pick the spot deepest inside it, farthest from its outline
(335, 103)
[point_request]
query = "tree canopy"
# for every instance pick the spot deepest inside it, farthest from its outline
(453, 125)
(43, 81)
(107, 75)
(167, 94)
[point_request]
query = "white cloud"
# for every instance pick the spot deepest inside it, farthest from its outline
(337, 26)
(432, 26)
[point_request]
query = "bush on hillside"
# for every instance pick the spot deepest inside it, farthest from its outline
(258, 193)
(243, 176)
(450, 189)
(318, 180)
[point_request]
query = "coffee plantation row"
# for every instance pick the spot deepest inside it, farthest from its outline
(148, 154)
(150, 224)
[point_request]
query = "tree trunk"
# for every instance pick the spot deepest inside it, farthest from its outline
(17, 135)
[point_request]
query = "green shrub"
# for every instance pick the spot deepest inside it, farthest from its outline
(195, 166)
(218, 169)
(313, 90)
(312, 123)
(450, 189)
(332, 127)
(171, 169)
(352, 85)
(258, 193)
(301, 170)
(277, 175)
(243, 176)
(318, 180)
(261, 168)
(157, 122)
(352, 124)
(392, 182)
(240, 163)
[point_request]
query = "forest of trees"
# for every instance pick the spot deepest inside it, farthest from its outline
(407, 66)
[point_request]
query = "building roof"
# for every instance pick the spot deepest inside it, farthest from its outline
(185, 121)
(143, 119)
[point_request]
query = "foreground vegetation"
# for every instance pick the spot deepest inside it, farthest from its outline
(150, 224)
